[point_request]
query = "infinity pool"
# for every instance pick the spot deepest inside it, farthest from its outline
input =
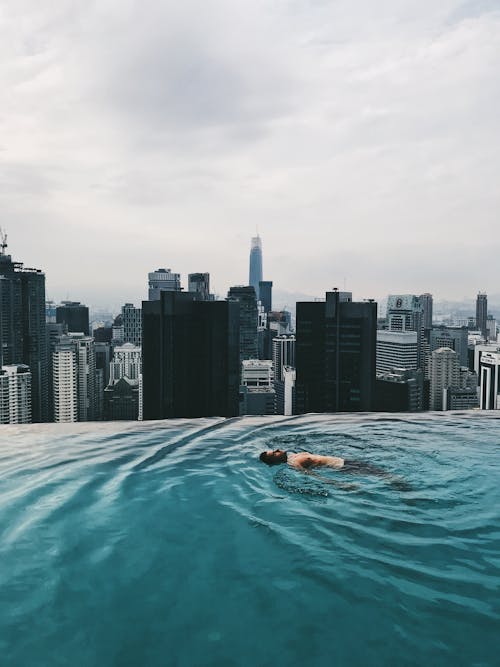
(170, 544)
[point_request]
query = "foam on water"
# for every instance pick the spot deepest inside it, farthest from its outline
(169, 543)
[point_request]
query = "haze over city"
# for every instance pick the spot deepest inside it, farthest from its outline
(361, 138)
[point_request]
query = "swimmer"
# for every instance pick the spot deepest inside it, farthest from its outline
(304, 461)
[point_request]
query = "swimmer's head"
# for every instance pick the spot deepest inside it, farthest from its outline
(273, 457)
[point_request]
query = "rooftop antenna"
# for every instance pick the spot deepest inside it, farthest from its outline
(3, 244)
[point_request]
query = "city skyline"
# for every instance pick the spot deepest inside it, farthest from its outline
(139, 292)
(361, 139)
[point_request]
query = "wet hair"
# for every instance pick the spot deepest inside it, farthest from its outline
(272, 460)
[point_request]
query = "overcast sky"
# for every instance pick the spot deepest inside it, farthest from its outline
(361, 137)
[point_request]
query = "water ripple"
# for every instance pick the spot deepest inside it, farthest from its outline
(170, 543)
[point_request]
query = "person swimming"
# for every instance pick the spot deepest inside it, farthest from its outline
(304, 461)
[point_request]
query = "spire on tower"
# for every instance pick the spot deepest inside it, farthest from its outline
(3, 243)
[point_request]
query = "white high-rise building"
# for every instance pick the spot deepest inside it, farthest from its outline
(283, 354)
(444, 375)
(396, 349)
(489, 390)
(65, 382)
(15, 394)
(289, 377)
(405, 313)
(85, 359)
(161, 280)
(479, 350)
(126, 362)
(141, 393)
(74, 371)
(257, 394)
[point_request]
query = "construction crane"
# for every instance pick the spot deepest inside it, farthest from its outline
(3, 244)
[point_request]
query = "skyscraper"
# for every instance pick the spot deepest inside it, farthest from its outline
(405, 313)
(22, 327)
(190, 357)
(283, 364)
(245, 295)
(482, 313)
(15, 394)
(126, 362)
(200, 283)
(426, 302)
(444, 375)
(86, 365)
(455, 338)
(74, 378)
(335, 355)
(283, 354)
(266, 294)
(163, 280)
(489, 369)
(255, 273)
(74, 315)
(400, 390)
(132, 324)
(65, 381)
(121, 396)
(396, 349)
(257, 394)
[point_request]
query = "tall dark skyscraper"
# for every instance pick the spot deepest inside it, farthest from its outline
(22, 327)
(266, 294)
(74, 315)
(335, 355)
(245, 295)
(482, 312)
(190, 360)
(255, 274)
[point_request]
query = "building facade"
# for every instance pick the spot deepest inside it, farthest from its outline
(15, 394)
(489, 389)
(74, 315)
(162, 280)
(482, 313)
(335, 355)
(283, 354)
(249, 320)
(400, 390)
(455, 338)
(426, 302)
(23, 338)
(132, 324)
(444, 375)
(65, 381)
(405, 313)
(190, 357)
(200, 284)
(266, 294)
(396, 349)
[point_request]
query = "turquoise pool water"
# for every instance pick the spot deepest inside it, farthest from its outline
(170, 544)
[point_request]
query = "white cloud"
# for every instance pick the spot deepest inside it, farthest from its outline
(362, 138)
